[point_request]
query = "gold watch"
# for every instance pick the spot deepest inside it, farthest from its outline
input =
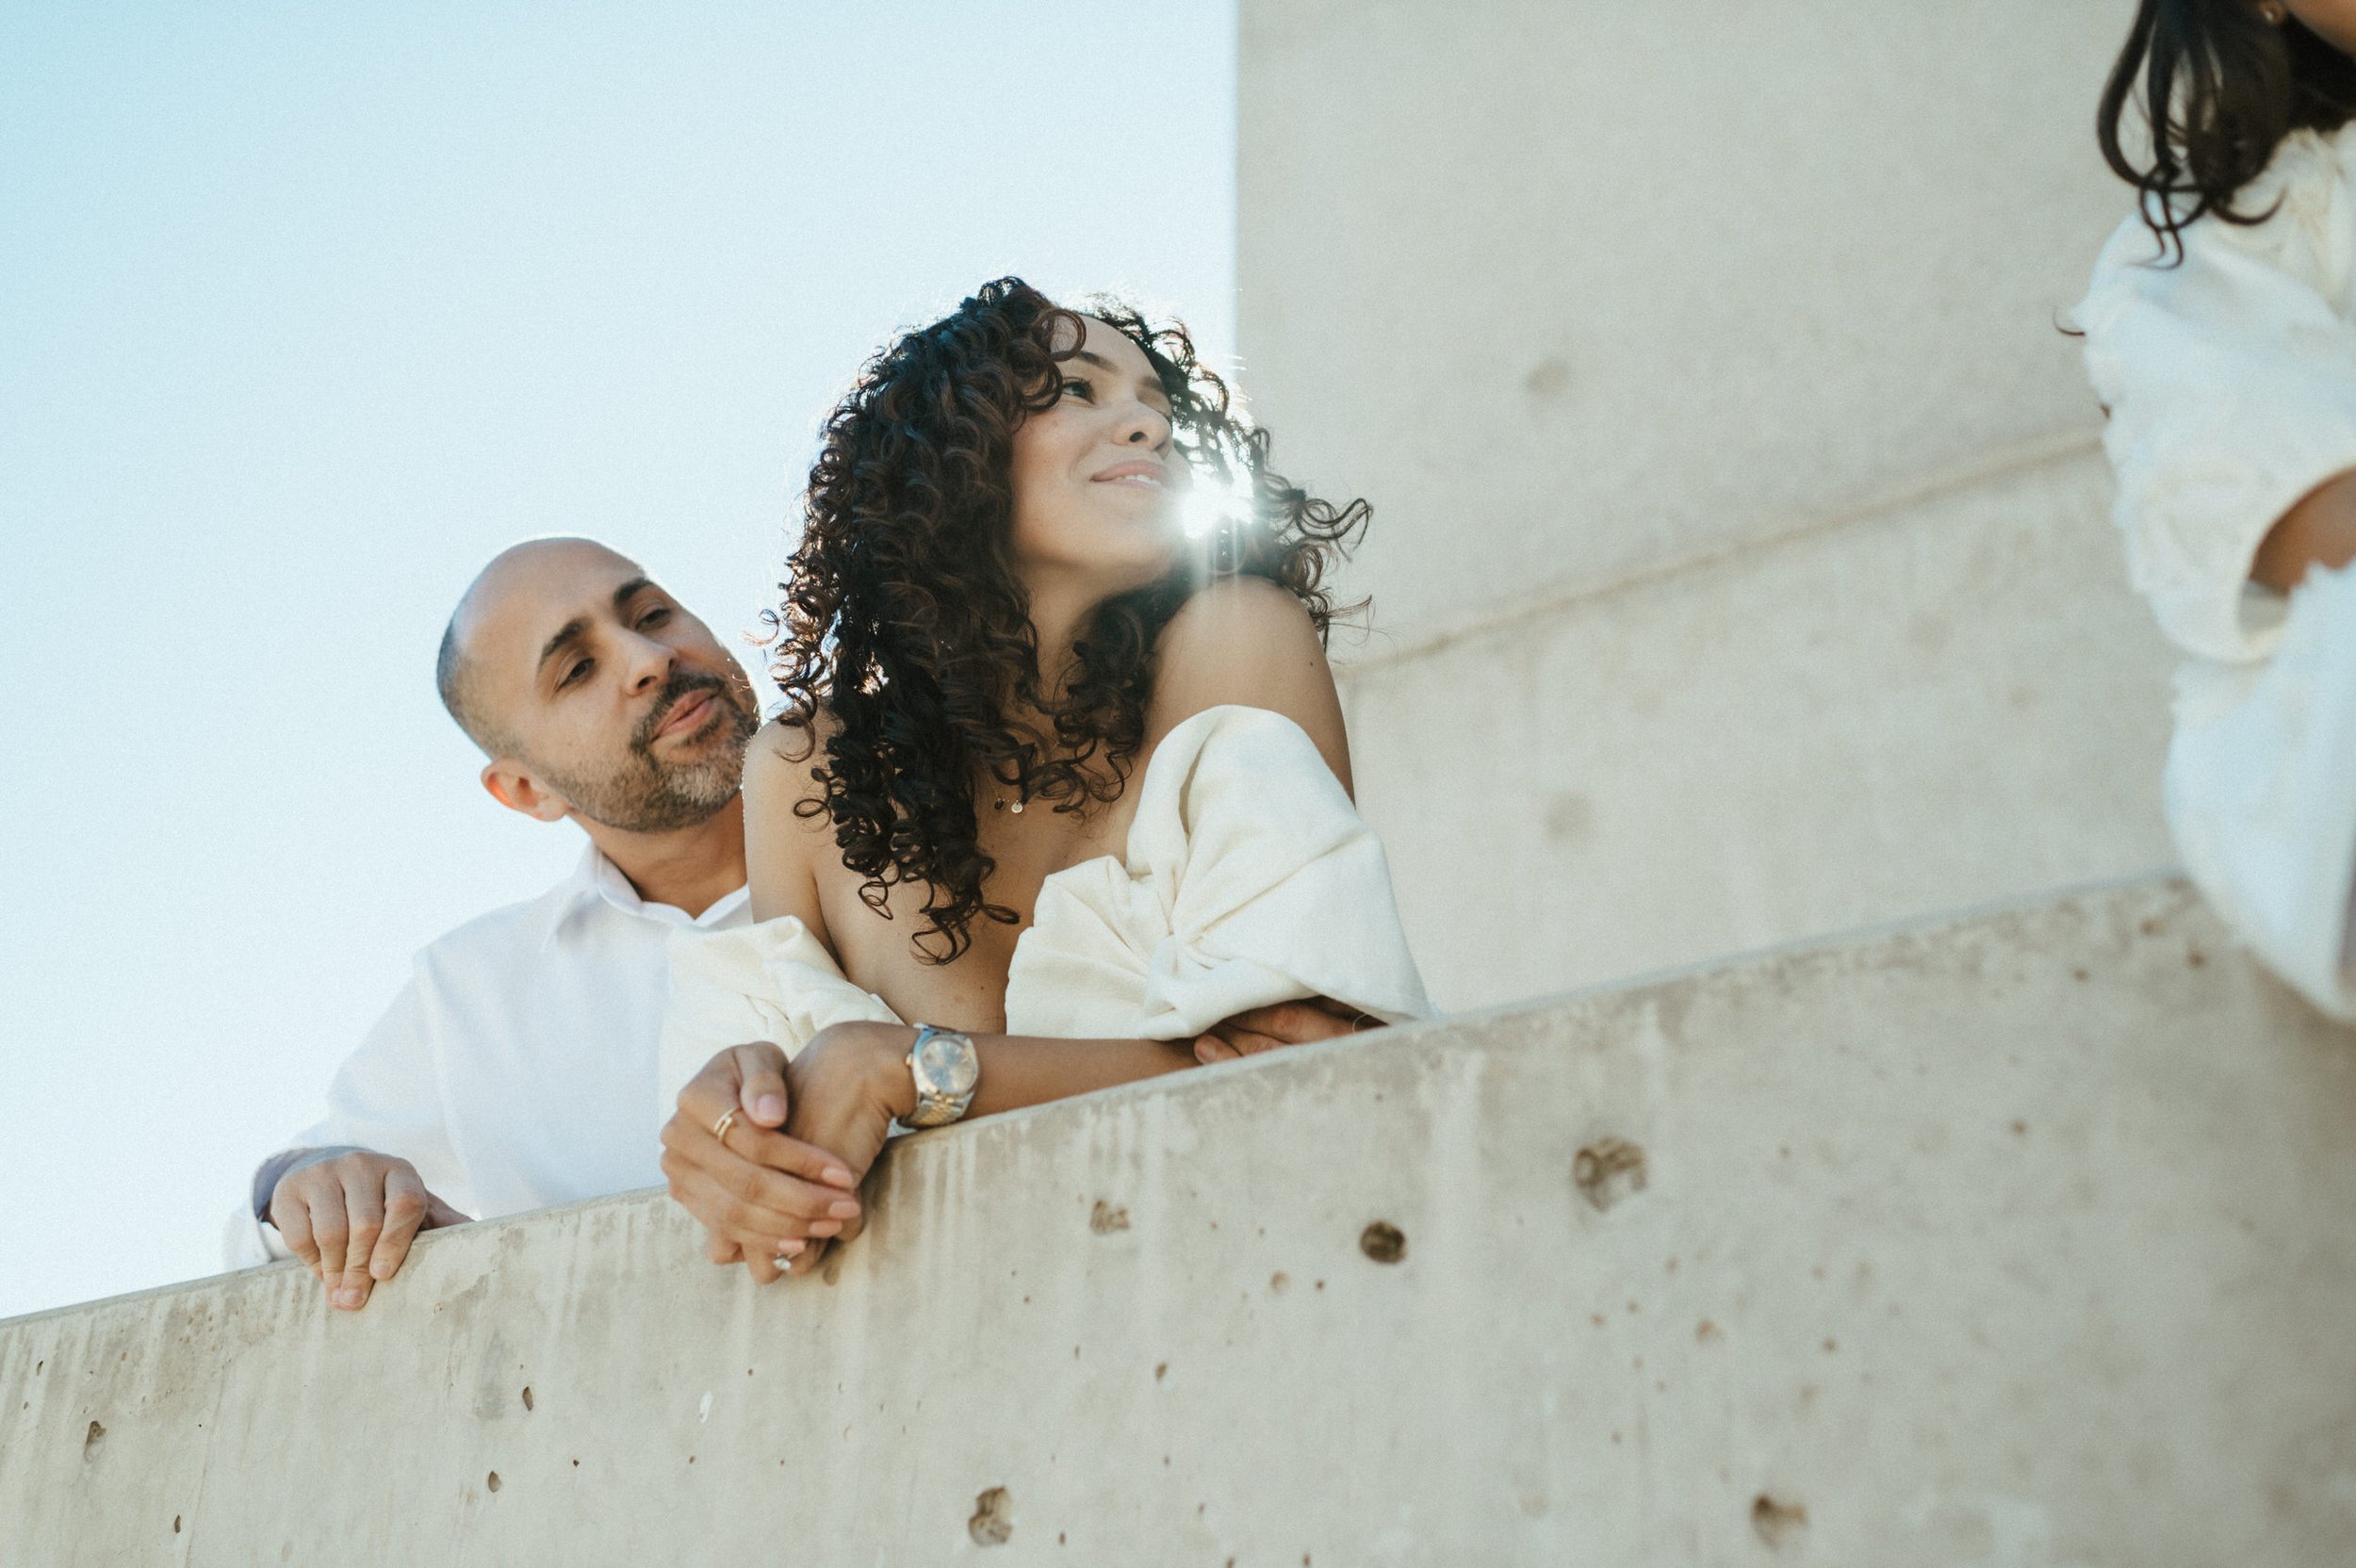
(945, 1067)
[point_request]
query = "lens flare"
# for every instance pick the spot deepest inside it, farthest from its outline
(1214, 503)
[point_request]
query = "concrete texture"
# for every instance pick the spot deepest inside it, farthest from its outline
(2028, 1240)
(1572, 291)
(1934, 707)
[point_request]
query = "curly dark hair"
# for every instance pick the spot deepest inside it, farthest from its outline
(2221, 88)
(903, 619)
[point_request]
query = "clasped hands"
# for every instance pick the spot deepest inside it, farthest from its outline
(779, 1179)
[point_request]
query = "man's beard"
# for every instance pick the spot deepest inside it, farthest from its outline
(646, 794)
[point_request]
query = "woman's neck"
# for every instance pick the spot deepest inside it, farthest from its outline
(1060, 606)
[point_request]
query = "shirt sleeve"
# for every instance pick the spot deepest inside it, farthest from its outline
(1251, 879)
(2230, 380)
(386, 1098)
(774, 981)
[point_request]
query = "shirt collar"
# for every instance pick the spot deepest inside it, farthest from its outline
(595, 879)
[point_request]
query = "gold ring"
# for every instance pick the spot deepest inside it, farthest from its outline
(720, 1128)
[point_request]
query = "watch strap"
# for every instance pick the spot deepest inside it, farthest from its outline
(936, 1108)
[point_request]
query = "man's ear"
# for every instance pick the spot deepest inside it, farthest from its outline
(517, 789)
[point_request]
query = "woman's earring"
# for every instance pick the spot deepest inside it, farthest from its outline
(2273, 13)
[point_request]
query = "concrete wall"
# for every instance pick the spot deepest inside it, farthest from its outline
(2025, 1241)
(1934, 706)
(1583, 296)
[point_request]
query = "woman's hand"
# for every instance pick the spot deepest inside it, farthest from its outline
(1303, 1022)
(760, 1194)
(845, 1087)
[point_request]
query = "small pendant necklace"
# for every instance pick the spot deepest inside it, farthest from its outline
(1001, 804)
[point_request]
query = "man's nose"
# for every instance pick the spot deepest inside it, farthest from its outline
(645, 662)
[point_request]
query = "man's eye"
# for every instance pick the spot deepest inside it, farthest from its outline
(576, 672)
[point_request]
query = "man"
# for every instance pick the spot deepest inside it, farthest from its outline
(517, 1068)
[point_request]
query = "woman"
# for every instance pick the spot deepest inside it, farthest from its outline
(1059, 796)
(2221, 334)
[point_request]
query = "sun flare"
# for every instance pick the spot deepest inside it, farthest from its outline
(1214, 503)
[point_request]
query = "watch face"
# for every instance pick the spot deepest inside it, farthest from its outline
(946, 1064)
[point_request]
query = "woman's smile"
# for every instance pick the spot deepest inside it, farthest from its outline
(1142, 473)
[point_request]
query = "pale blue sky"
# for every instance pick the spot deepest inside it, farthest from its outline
(303, 313)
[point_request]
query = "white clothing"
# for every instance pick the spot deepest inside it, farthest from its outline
(513, 1068)
(1248, 878)
(2262, 797)
(2230, 380)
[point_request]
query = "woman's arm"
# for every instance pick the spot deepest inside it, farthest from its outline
(781, 848)
(845, 1089)
(2319, 532)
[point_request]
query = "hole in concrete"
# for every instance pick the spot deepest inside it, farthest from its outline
(1105, 1219)
(1547, 380)
(492, 1480)
(1161, 1370)
(1608, 1170)
(526, 1395)
(175, 1524)
(1775, 1521)
(1383, 1242)
(1279, 1279)
(90, 1438)
(992, 1523)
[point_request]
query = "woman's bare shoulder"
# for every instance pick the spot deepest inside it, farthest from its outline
(779, 759)
(1249, 642)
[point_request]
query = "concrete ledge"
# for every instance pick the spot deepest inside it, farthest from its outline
(2029, 1239)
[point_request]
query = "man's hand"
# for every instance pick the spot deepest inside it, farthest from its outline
(352, 1219)
(1303, 1022)
(759, 1195)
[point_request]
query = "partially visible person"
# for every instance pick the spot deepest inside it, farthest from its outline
(513, 1069)
(1060, 799)
(2220, 336)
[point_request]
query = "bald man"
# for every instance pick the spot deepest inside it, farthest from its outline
(517, 1068)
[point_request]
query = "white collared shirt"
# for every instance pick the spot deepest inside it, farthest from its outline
(516, 1067)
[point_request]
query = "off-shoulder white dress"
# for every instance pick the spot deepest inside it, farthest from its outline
(1248, 878)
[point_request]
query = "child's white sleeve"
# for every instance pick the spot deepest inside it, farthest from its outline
(2231, 384)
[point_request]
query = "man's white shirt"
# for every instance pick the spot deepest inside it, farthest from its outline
(516, 1070)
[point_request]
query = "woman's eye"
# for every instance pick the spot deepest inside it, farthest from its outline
(1078, 389)
(655, 617)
